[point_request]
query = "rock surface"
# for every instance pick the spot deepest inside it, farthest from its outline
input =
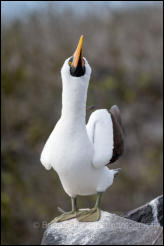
(111, 229)
(150, 213)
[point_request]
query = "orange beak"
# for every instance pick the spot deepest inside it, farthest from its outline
(77, 65)
(78, 53)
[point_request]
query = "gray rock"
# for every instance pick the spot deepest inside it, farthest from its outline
(111, 229)
(150, 213)
(160, 210)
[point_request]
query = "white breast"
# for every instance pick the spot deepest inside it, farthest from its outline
(70, 153)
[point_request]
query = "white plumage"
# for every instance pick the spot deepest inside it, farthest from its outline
(76, 151)
(100, 133)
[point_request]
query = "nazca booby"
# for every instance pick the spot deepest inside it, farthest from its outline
(78, 152)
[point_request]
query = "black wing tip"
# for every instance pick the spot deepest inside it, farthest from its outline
(118, 133)
(114, 110)
(115, 107)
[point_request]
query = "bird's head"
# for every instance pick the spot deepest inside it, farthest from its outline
(76, 67)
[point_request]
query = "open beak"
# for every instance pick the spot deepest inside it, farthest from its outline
(77, 65)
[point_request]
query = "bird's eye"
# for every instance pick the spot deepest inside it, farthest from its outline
(70, 61)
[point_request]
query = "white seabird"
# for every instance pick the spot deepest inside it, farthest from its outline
(78, 152)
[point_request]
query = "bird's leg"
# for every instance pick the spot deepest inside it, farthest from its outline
(68, 215)
(94, 213)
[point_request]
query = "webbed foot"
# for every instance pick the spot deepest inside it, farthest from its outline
(90, 215)
(64, 216)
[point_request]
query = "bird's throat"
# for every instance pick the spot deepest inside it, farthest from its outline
(74, 105)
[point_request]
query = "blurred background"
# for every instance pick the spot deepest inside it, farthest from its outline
(123, 44)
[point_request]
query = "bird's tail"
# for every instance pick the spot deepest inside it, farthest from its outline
(116, 171)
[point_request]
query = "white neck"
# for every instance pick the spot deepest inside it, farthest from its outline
(74, 98)
(74, 95)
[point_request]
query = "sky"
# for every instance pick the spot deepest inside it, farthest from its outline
(12, 9)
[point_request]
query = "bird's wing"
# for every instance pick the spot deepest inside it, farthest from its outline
(118, 133)
(46, 157)
(104, 130)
